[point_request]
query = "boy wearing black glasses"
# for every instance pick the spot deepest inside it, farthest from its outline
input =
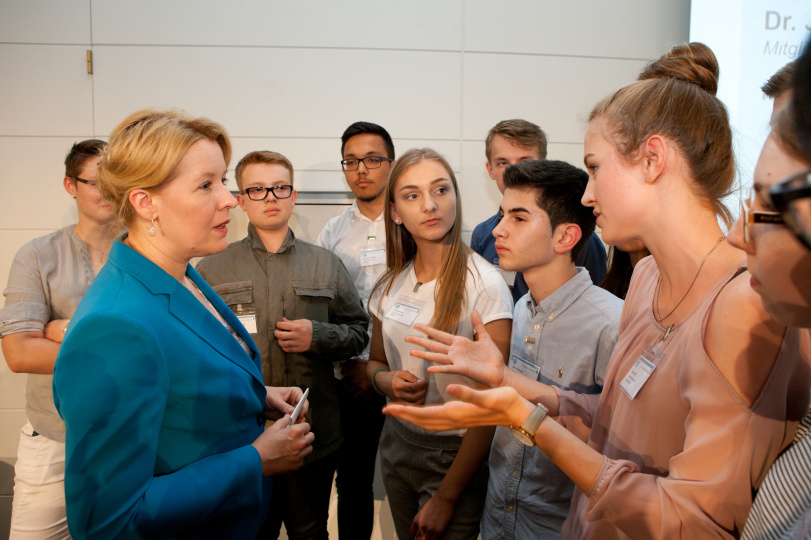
(299, 304)
(358, 237)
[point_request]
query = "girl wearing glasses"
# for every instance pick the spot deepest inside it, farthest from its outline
(694, 407)
(48, 278)
(436, 482)
(771, 231)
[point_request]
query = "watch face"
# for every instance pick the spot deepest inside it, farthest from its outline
(521, 436)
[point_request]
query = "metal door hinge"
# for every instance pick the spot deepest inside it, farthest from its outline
(90, 62)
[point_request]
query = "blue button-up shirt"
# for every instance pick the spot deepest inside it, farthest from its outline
(565, 341)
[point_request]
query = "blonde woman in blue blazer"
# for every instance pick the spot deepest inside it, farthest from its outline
(158, 382)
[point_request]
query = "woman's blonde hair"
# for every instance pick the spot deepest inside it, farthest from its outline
(675, 97)
(450, 295)
(145, 150)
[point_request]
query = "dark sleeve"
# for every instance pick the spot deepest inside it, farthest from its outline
(346, 333)
(476, 238)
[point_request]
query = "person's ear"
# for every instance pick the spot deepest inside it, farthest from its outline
(294, 196)
(567, 235)
(394, 217)
(655, 157)
(241, 200)
(70, 186)
(490, 170)
(144, 204)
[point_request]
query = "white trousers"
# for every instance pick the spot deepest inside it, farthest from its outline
(38, 506)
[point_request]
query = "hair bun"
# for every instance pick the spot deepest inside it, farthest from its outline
(693, 62)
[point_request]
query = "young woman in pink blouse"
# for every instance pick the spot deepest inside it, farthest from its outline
(695, 404)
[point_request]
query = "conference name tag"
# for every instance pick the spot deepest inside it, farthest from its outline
(405, 310)
(249, 322)
(373, 255)
(524, 367)
(641, 371)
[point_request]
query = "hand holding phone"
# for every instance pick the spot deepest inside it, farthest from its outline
(297, 410)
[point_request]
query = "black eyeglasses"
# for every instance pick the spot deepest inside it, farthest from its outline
(89, 183)
(792, 198)
(260, 193)
(371, 162)
(751, 217)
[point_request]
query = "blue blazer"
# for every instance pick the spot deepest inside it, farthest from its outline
(161, 404)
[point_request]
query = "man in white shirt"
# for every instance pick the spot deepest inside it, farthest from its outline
(358, 237)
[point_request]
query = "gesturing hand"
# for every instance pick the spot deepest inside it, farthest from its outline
(294, 336)
(494, 407)
(480, 360)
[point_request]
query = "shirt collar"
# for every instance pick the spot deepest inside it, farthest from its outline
(557, 302)
(257, 243)
(358, 214)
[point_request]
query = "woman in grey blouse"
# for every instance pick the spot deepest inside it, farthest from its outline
(48, 278)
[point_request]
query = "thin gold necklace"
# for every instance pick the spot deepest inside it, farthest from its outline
(659, 286)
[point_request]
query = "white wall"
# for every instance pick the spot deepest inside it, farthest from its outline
(291, 76)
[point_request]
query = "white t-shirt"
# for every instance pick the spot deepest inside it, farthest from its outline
(487, 293)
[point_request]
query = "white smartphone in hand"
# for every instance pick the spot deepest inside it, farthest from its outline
(297, 410)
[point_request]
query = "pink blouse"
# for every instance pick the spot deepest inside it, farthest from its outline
(682, 458)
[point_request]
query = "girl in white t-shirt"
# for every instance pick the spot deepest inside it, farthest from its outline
(436, 482)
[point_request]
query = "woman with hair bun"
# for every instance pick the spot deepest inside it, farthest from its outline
(696, 403)
(158, 383)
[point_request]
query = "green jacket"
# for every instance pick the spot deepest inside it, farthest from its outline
(300, 281)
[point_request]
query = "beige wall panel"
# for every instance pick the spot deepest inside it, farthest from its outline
(11, 421)
(45, 91)
(480, 196)
(419, 24)
(558, 99)
(32, 169)
(323, 155)
(569, 152)
(618, 29)
(284, 92)
(45, 21)
(12, 388)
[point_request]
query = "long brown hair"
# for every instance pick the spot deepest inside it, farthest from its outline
(675, 97)
(450, 292)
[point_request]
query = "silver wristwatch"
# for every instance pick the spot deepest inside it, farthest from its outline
(526, 433)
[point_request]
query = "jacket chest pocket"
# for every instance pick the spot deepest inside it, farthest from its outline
(313, 299)
(238, 295)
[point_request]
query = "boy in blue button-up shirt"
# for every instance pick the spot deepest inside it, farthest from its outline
(564, 330)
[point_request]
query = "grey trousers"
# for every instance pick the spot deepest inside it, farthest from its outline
(413, 465)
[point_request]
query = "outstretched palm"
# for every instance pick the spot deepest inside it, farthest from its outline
(494, 407)
(480, 360)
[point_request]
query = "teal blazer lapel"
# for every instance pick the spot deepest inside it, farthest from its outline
(188, 310)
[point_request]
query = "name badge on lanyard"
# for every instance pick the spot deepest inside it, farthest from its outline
(248, 319)
(524, 367)
(373, 255)
(405, 310)
(643, 368)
